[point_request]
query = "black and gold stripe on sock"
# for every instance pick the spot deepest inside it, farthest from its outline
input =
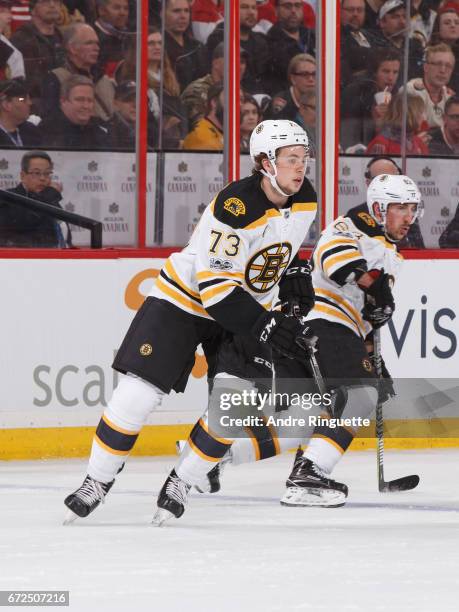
(206, 444)
(114, 439)
(339, 437)
(264, 441)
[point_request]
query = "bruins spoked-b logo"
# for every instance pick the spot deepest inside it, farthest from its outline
(266, 267)
(146, 350)
(366, 363)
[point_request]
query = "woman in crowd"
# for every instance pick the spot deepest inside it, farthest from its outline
(446, 30)
(388, 141)
(250, 118)
(173, 119)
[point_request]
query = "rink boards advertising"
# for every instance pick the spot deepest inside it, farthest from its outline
(64, 319)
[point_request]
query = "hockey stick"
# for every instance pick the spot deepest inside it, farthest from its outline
(399, 484)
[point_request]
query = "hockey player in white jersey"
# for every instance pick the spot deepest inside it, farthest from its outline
(224, 280)
(354, 263)
(272, 230)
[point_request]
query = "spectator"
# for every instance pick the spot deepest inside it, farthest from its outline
(301, 75)
(82, 53)
(306, 117)
(250, 118)
(361, 112)
(73, 125)
(122, 126)
(194, 97)
(449, 239)
(388, 141)
(393, 24)
(173, 120)
(356, 44)
(40, 42)
(432, 88)
(111, 28)
(371, 14)
(445, 140)
(15, 130)
(22, 227)
(11, 60)
(208, 132)
(267, 15)
(287, 38)
(253, 43)
(386, 165)
(205, 14)
(422, 20)
(446, 30)
(186, 54)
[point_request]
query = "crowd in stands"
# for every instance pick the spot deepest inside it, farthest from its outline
(68, 72)
(384, 96)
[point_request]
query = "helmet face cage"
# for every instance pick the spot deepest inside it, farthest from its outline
(386, 189)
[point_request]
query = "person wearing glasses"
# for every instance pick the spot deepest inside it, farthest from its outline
(82, 50)
(15, 103)
(445, 140)
(433, 87)
(301, 76)
(21, 227)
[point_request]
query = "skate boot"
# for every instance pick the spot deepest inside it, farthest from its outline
(86, 499)
(308, 485)
(171, 499)
(211, 483)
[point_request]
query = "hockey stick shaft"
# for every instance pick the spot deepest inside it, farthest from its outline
(379, 412)
(399, 484)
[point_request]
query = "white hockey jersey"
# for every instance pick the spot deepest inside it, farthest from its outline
(351, 240)
(237, 254)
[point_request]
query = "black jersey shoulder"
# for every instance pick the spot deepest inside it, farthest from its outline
(240, 203)
(363, 221)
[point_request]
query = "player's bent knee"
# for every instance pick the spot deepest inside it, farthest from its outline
(360, 401)
(132, 401)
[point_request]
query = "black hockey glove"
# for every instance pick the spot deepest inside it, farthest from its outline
(379, 301)
(287, 335)
(386, 384)
(296, 292)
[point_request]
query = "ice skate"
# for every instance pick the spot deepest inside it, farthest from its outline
(86, 499)
(308, 485)
(171, 499)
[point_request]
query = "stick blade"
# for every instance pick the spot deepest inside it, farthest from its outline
(406, 483)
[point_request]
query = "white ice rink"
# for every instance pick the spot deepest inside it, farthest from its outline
(238, 550)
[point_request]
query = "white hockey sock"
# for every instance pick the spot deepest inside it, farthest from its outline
(323, 453)
(193, 467)
(326, 452)
(131, 403)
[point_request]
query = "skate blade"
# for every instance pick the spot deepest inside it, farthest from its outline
(161, 517)
(319, 498)
(70, 517)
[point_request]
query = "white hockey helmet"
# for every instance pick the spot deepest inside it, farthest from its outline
(387, 189)
(271, 135)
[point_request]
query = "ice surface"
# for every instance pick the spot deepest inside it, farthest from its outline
(239, 549)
